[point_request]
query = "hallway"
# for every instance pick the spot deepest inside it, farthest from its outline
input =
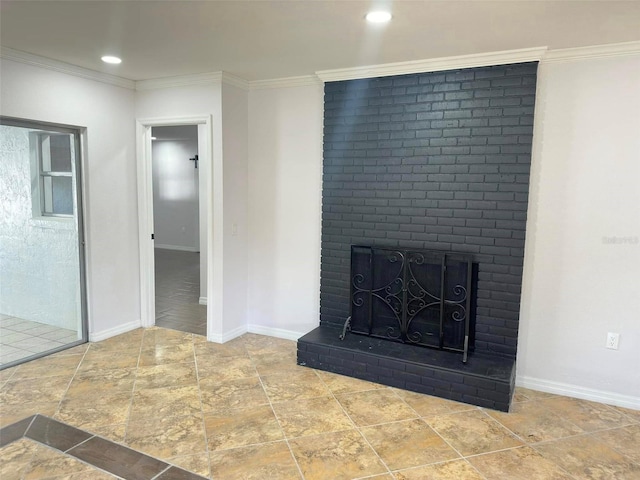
(178, 290)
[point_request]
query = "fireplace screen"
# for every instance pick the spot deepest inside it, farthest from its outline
(411, 296)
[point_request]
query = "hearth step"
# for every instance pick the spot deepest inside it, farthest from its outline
(485, 380)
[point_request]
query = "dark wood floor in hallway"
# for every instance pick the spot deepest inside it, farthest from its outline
(177, 277)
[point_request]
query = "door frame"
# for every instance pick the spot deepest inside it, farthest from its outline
(210, 168)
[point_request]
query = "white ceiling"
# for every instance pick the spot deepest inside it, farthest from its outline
(259, 40)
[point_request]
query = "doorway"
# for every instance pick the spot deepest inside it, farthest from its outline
(210, 208)
(42, 249)
(180, 295)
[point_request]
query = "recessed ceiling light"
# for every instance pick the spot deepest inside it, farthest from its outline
(111, 59)
(378, 17)
(153, 138)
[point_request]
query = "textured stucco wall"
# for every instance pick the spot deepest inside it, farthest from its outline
(39, 274)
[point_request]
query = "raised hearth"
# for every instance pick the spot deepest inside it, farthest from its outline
(486, 381)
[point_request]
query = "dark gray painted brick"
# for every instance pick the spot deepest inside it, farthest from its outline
(433, 160)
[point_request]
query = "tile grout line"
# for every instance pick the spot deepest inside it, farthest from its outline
(68, 452)
(72, 456)
(73, 376)
(461, 457)
(355, 425)
(133, 388)
(284, 434)
(204, 425)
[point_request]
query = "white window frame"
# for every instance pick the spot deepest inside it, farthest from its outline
(41, 193)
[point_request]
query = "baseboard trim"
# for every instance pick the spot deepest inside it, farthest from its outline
(601, 396)
(202, 300)
(112, 332)
(275, 332)
(176, 247)
(230, 335)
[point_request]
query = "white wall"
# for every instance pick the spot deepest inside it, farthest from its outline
(285, 181)
(110, 179)
(578, 284)
(175, 188)
(235, 112)
(228, 108)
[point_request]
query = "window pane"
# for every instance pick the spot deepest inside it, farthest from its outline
(62, 194)
(56, 153)
(47, 195)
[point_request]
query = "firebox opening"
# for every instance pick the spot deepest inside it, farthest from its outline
(417, 297)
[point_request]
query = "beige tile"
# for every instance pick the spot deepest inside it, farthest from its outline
(243, 392)
(473, 432)
(534, 422)
(47, 463)
(157, 337)
(409, 443)
(294, 385)
(426, 405)
(272, 461)
(113, 432)
(129, 342)
(172, 375)
(98, 410)
(198, 464)
(522, 463)
(342, 384)
(311, 416)
(241, 427)
(271, 363)
(454, 470)
(589, 416)
(337, 455)
(163, 354)
(634, 415)
(91, 383)
(233, 348)
(48, 367)
(522, 394)
(16, 458)
(7, 373)
(41, 390)
(167, 437)
(165, 402)
(585, 457)
(221, 369)
(625, 440)
(375, 406)
(102, 360)
(93, 474)
(12, 413)
(262, 344)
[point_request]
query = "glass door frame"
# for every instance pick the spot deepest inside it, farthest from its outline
(78, 177)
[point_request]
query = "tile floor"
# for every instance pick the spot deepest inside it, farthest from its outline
(245, 410)
(21, 338)
(177, 276)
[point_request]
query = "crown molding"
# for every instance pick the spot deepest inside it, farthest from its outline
(595, 51)
(435, 64)
(190, 80)
(180, 81)
(302, 81)
(239, 82)
(62, 67)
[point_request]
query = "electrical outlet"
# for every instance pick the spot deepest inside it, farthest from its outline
(612, 340)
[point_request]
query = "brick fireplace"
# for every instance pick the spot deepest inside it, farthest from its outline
(434, 161)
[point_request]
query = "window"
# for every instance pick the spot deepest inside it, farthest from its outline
(53, 158)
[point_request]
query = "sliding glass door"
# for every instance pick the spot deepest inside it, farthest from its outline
(42, 285)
